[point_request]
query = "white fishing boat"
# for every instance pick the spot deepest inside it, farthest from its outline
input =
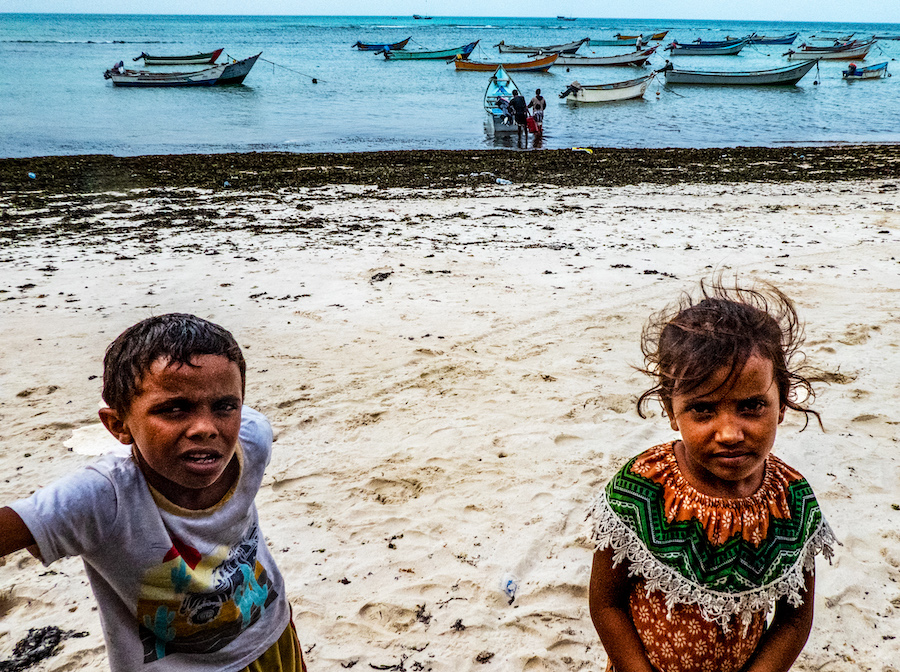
(709, 49)
(568, 48)
(631, 58)
(217, 75)
(605, 93)
(787, 76)
(844, 52)
(876, 71)
(207, 58)
(498, 93)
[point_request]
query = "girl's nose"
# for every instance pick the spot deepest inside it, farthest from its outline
(729, 430)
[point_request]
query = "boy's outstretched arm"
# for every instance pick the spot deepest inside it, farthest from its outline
(608, 599)
(786, 636)
(14, 534)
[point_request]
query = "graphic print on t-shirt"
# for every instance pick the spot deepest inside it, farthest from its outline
(195, 603)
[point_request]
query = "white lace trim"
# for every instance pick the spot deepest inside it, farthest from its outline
(610, 531)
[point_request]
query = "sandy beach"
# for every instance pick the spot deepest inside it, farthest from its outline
(448, 366)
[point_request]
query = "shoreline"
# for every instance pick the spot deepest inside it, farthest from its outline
(440, 169)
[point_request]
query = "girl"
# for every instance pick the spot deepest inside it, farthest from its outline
(698, 538)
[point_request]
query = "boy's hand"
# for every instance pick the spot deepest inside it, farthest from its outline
(14, 534)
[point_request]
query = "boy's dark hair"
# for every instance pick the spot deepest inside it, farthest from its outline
(175, 337)
(686, 344)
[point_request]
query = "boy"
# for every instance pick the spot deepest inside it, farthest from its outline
(170, 535)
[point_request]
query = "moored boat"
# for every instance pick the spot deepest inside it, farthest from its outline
(845, 52)
(876, 71)
(631, 58)
(446, 54)
(655, 37)
(787, 76)
(612, 43)
(217, 75)
(568, 48)
(207, 58)
(779, 39)
(725, 49)
(368, 46)
(537, 65)
(496, 96)
(605, 93)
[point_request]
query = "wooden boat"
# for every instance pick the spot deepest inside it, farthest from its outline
(631, 58)
(605, 93)
(779, 39)
(788, 76)
(655, 37)
(568, 48)
(499, 89)
(729, 49)
(715, 44)
(217, 75)
(207, 58)
(446, 54)
(845, 52)
(537, 65)
(365, 46)
(876, 71)
(612, 43)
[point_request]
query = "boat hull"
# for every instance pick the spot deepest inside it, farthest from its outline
(218, 75)
(607, 93)
(364, 46)
(445, 54)
(632, 58)
(837, 54)
(207, 58)
(568, 48)
(537, 65)
(698, 50)
(786, 76)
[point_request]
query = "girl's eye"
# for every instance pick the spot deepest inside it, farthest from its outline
(702, 410)
(753, 406)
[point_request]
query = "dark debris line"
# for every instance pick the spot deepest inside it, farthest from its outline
(38, 644)
(443, 168)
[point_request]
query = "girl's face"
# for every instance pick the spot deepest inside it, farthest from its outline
(728, 429)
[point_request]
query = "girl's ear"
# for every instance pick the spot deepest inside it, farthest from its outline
(781, 413)
(673, 421)
(116, 426)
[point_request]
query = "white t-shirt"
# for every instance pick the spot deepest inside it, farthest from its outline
(178, 590)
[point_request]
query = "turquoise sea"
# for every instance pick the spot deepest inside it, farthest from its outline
(54, 100)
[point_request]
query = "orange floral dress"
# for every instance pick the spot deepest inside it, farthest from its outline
(707, 570)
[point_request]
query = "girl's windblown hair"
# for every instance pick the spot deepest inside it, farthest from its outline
(687, 343)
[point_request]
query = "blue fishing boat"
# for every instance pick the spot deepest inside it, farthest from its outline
(368, 46)
(877, 71)
(445, 54)
(496, 97)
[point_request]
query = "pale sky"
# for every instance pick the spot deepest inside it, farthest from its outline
(840, 11)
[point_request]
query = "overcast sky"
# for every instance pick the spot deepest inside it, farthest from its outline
(846, 11)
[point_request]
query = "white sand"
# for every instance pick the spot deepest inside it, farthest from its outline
(449, 424)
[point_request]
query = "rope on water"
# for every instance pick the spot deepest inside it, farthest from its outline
(297, 72)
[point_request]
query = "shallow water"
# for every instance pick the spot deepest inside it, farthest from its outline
(55, 100)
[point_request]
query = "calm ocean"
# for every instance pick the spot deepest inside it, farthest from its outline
(55, 100)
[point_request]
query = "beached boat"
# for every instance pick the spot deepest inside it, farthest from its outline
(726, 49)
(876, 71)
(498, 93)
(368, 46)
(568, 48)
(631, 58)
(537, 65)
(655, 37)
(207, 58)
(446, 54)
(612, 43)
(217, 75)
(844, 52)
(788, 75)
(605, 93)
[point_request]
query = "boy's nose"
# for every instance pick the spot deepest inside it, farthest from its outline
(203, 426)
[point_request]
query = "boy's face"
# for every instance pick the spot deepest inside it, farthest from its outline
(184, 423)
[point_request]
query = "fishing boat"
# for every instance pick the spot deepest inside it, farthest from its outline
(217, 75)
(499, 91)
(787, 76)
(655, 37)
(565, 18)
(446, 54)
(631, 58)
(605, 93)
(876, 71)
(727, 49)
(207, 58)
(419, 17)
(568, 48)
(886, 37)
(844, 52)
(778, 39)
(537, 65)
(612, 43)
(367, 46)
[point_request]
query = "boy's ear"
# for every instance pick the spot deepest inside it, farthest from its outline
(116, 426)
